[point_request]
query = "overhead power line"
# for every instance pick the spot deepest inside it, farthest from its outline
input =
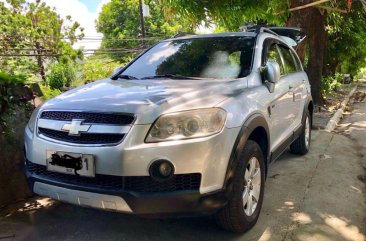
(28, 55)
(82, 38)
(26, 49)
(87, 52)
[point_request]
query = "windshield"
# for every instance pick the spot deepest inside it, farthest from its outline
(213, 57)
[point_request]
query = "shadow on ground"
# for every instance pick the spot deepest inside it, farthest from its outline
(314, 197)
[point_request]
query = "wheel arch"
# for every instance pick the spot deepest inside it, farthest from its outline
(254, 128)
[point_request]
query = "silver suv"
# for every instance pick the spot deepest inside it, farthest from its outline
(190, 126)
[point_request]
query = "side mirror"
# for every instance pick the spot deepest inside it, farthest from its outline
(271, 74)
(117, 69)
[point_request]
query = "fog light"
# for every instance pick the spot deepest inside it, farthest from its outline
(165, 169)
(161, 170)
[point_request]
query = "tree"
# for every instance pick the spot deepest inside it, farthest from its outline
(231, 14)
(32, 34)
(312, 22)
(347, 37)
(119, 22)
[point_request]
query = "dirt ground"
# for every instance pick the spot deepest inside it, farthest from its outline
(319, 196)
(332, 102)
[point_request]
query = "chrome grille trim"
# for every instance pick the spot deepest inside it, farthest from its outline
(95, 128)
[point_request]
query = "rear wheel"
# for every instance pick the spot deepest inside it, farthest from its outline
(302, 144)
(242, 211)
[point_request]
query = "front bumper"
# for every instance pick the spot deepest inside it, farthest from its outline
(208, 157)
(180, 203)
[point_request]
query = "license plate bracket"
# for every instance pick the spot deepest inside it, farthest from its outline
(71, 163)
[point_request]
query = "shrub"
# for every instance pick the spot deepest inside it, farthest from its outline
(56, 78)
(12, 90)
(331, 83)
(11, 79)
(95, 69)
(49, 93)
(361, 73)
(61, 75)
(70, 75)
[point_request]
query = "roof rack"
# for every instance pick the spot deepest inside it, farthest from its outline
(258, 28)
(264, 29)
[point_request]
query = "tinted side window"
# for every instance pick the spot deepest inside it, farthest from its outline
(297, 61)
(290, 66)
(273, 55)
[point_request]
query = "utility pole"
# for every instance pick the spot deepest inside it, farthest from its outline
(142, 19)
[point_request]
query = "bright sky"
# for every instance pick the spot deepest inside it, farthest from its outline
(85, 12)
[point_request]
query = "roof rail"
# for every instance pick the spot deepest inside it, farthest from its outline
(257, 28)
(267, 30)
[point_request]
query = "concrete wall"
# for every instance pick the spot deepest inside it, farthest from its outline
(13, 185)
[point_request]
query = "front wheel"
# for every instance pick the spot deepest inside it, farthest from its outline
(242, 211)
(302, 144)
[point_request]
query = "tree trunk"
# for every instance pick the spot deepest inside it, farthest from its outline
(40, 63)
(312, 23)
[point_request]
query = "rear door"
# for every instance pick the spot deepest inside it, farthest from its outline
(293, 75)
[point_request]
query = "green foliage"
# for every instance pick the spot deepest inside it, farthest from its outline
(12, 92)
(7, 82)
(61, 75)
(34, 29)
(98, 68)
(49, 93)
(56, 78)
(6, 78)
(120, 20)
(361, 74)
(347, 40)
(229, 14)
(331, 83)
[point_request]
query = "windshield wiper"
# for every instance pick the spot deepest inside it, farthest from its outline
(124, 76)
(171, 76)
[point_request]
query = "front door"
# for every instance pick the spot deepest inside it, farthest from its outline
(282, 106)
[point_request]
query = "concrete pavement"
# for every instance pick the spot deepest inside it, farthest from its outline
(319, 196)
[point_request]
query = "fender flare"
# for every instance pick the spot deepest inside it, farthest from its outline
(309, 101)
(252, 122)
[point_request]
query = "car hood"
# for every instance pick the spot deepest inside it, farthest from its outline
(146, 98)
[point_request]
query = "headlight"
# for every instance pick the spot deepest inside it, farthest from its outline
(33, 118)
(187, 125)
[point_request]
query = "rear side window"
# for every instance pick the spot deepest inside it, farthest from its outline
(288, 59)
(297, 61)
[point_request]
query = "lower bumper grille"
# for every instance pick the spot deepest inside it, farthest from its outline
(84, 138)
(143, 184)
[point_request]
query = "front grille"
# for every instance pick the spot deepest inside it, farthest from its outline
(142, 184)
(89, 117)
(83, 138)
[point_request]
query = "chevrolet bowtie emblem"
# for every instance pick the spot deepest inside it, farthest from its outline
(76, 127)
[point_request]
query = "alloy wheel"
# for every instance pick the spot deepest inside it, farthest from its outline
(252, 186)
(307, 132)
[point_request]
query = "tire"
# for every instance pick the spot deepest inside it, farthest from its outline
(302, 144)
(237, 216)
